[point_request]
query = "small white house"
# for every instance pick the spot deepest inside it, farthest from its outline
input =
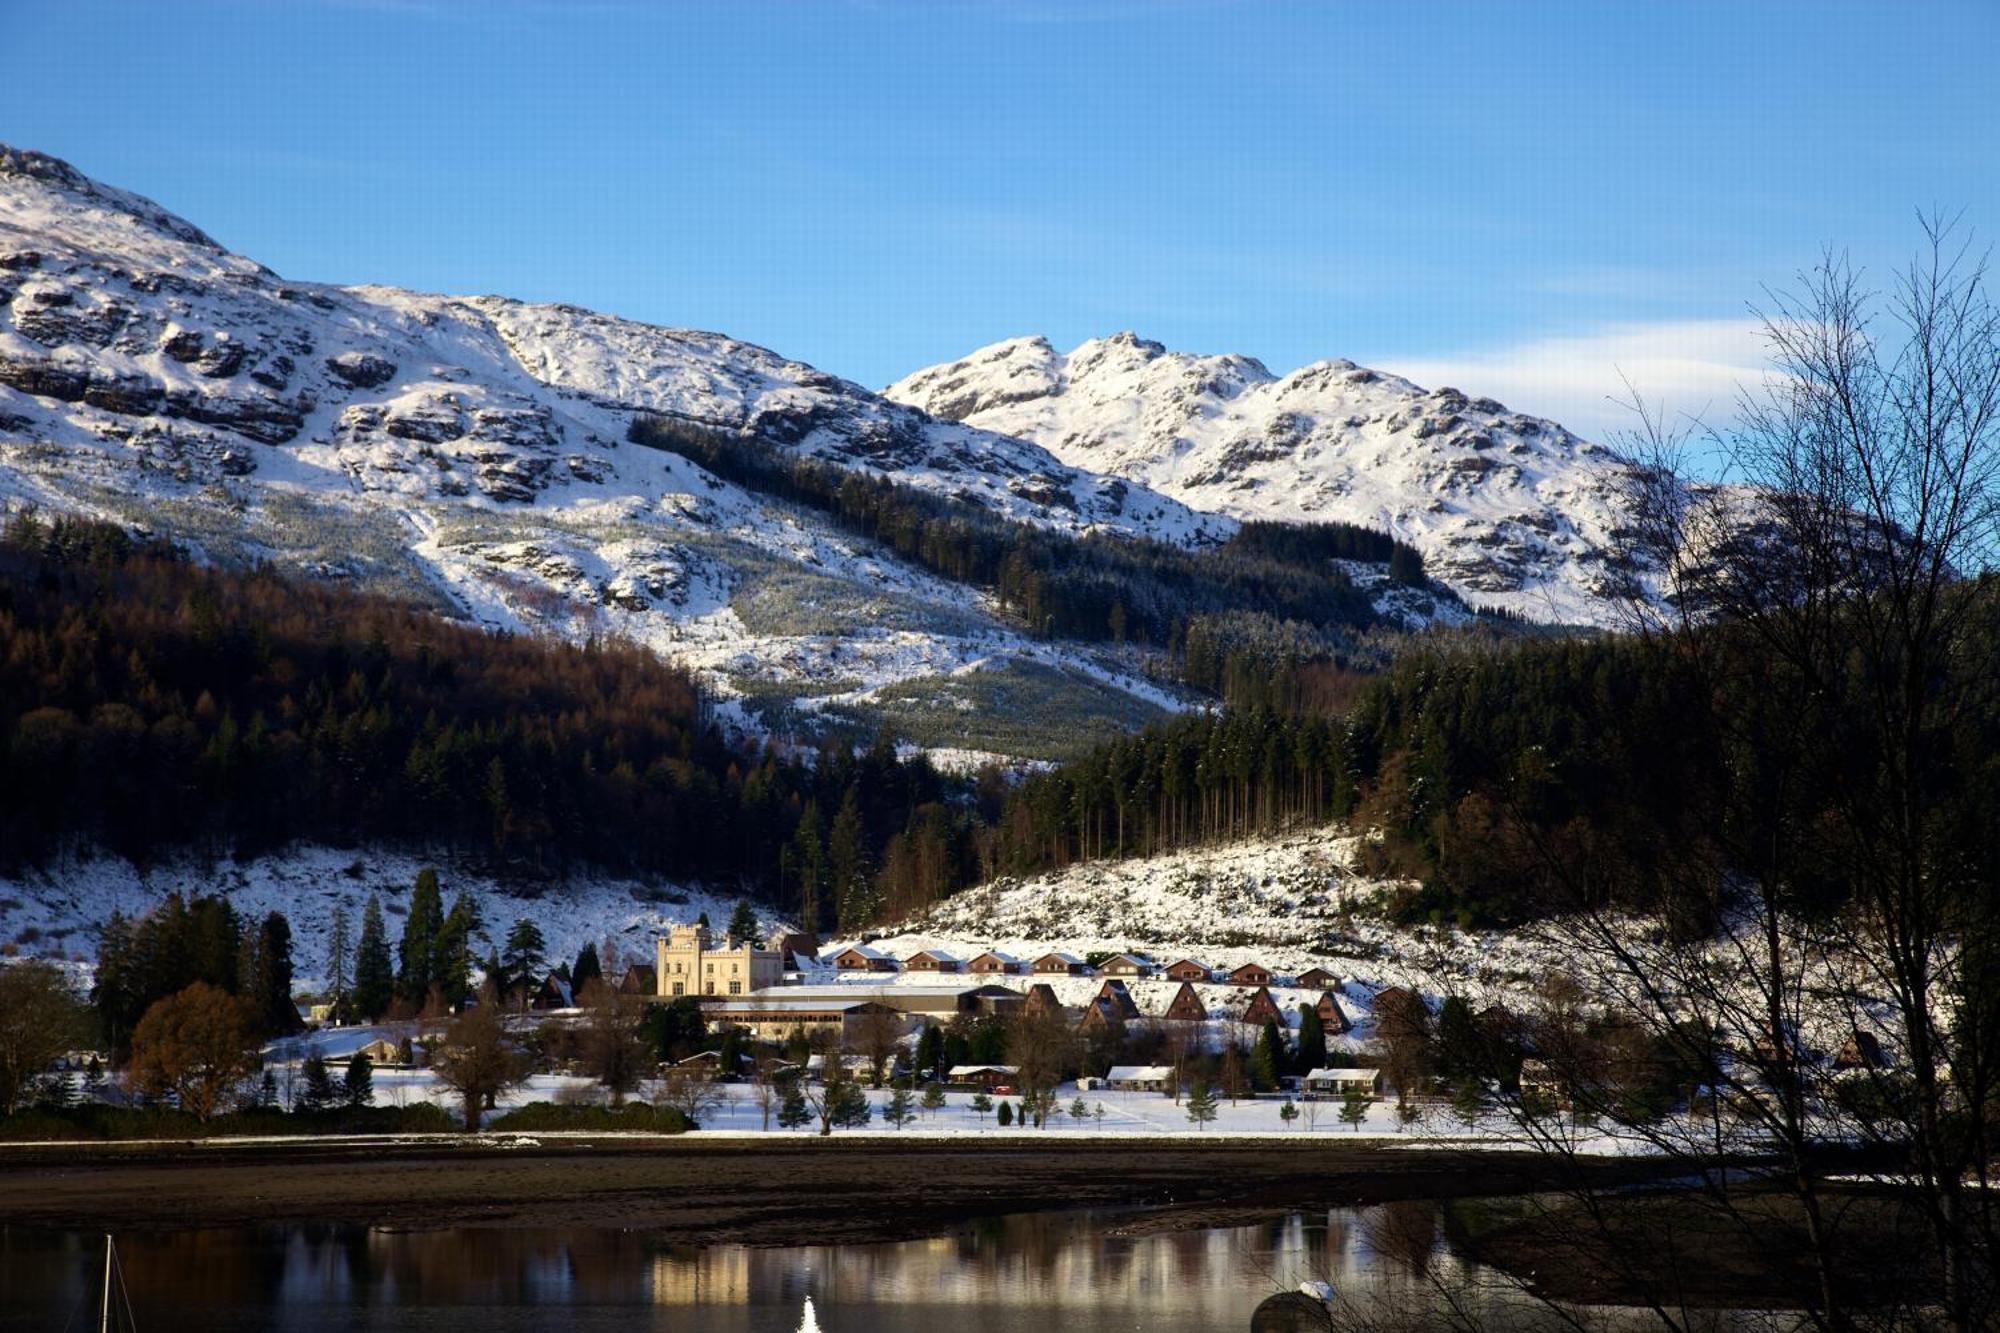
(1337, 1083)
(1140, 1078)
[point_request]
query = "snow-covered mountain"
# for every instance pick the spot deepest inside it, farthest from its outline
(1512, 511)
(473, 452)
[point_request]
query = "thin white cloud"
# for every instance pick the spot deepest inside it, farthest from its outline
(1685, 368)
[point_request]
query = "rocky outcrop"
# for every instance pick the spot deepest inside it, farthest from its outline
(361, 370)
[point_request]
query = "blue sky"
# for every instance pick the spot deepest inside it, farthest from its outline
(1520, 200)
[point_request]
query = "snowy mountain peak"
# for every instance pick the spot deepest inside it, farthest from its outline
(1513, 511)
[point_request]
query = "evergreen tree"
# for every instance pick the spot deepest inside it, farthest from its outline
(374, 977)
(339, 958)
(357, 1085)
(267, 991)
(522, 957)
(1006, 1116)
(318, 1093)
(1354, 1108)
(806, 859)
(418, 957)
(1312, 1039)
(585, 970)
(267, 1091)
(847, 863)
(793, 1113)
(981, 1104)
(1460, 1051)
(933, 1098)
(454, 951)
(743, 924)
(848, 1105)
(1267, 1062)
(1200, 1105)
(900, 1109)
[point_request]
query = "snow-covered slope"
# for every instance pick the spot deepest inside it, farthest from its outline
(1510, 510)
(472, 452)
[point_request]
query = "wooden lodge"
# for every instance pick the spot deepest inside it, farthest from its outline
(988, 1078)
(1188, 969)
(1120, 999)
(1060, 965)
(1331, 1016)
(1318, 978)
(639, 979)
(861, 958)
(1127, 965)
(1042, 1000)
(1337, 1083)
(995, 963)
(1250, 974)
(796, 948)
(1262, 1008)
(1187, 1006)
(932, 960)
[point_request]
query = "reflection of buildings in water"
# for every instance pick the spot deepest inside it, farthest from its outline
(700, 1277)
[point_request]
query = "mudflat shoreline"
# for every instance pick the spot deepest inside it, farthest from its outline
(763, 1191)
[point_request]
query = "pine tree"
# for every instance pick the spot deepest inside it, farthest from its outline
(1267, 1062)
(930, 1051)
(847, 862)
(743, 924)
(454, 950)
(1200, 1105)
(1354, 1108)
(267, 991)
(339, 958)
(1312, 1039)
(1006, 1116)
(523, 956)
(981, 1104)
(933, 1098)
(357, 1085)
(318, 1093)
(793, 1113)
(585, 970)
(900, 1110)
(418, 960)
(374, 977)
(1460, 1052)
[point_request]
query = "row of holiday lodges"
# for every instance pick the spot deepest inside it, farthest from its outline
(864, 958)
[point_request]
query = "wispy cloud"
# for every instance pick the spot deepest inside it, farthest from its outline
(1686, 368)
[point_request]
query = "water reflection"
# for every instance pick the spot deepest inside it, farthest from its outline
(1083, 1271)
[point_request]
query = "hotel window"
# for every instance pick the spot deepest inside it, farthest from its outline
(735, 988)
(677, 988)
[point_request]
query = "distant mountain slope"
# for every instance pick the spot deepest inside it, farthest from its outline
(473, 452)
(1512, 511)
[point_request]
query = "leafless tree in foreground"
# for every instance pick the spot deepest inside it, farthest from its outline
(1814, 1042)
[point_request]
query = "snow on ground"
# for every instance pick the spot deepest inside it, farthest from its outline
(56, 911)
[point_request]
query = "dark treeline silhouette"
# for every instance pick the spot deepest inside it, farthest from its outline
(188, 940)
(151, 706)
(1095, 587)
(1479, 761)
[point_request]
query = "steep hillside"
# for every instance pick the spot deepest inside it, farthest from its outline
(473, 453)
(1511, 511)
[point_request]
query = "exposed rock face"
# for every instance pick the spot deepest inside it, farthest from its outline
(361, 370)
(1514, 511)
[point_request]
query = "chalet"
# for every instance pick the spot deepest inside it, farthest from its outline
(639, 979)
(796, 949)
(1861, 1051)
(1101, 1015)
(1188, 969)
(1262, 1008)
(1332, 1018)
(861, 958)
(1250, 974)
(706, 1064)
(1317, 978)
(1127, 965)
(1140, 1078)
(1042, 1000)
(993, 962)
(1113, 990)
(858, 1068)
(1337, 1083)
(553, 993)
(1187, 1006)
(987, 1077)
(933, 960)
(1060, 965)
(993, 999)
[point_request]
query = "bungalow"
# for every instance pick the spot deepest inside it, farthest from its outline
(987, 1077)
(1121, 1000)
(932, 960)
(1262, 1008)
(861, 958)
(1042, 1000)
(1127, 965)
(1187, 1006)
(1250, 974)
(1188, 969)
(1339, 1082)
(993, 961)
(381, 1053)
(858, 1068)
(706, 1064)
(1332, 1018)
(1060, 965)
(1317, 978)
(1140, 1078)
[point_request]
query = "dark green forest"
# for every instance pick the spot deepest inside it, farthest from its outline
(152, 706)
